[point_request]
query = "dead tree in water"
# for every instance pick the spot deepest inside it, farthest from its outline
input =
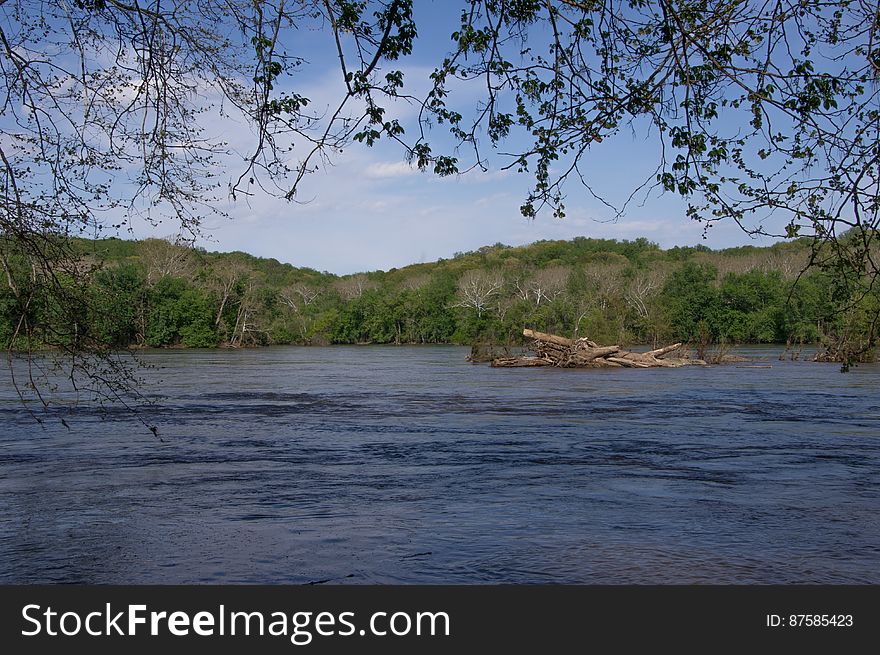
(553, 350)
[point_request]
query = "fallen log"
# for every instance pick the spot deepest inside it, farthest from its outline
(662, 351)
(631, 363)
(548, 338)
(589, 354)
(562, 352)
(684, 361)
(652, 357)
(514, 362)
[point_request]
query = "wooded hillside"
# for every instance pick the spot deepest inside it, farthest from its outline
(157, 293)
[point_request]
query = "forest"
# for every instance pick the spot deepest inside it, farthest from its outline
(161, 293)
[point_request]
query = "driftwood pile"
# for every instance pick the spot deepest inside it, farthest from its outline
(553, 350)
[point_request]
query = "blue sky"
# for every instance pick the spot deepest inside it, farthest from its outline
(369, 210)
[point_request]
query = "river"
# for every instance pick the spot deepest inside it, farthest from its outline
(409, 465)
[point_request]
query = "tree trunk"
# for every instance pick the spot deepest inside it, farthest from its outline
(548, 338)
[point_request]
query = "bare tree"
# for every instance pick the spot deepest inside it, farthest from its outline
(606, 280)
(520, 281)
(246, 328)
(354, 286)
(299, 295)
(547, 284)
(503, 304)
(790, 262)
(645, 283)
(476, 288)
(169, 256)
(226, 281)
(416, 282)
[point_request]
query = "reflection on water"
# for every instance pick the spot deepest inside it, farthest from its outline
(407, 465)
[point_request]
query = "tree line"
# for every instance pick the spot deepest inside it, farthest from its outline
(162, 293)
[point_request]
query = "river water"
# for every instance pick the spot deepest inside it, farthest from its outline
(408, 465)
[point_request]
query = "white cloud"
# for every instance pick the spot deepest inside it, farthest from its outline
(386, 170)
(369, 209)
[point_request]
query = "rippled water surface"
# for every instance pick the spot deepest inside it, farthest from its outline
(408, 465)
